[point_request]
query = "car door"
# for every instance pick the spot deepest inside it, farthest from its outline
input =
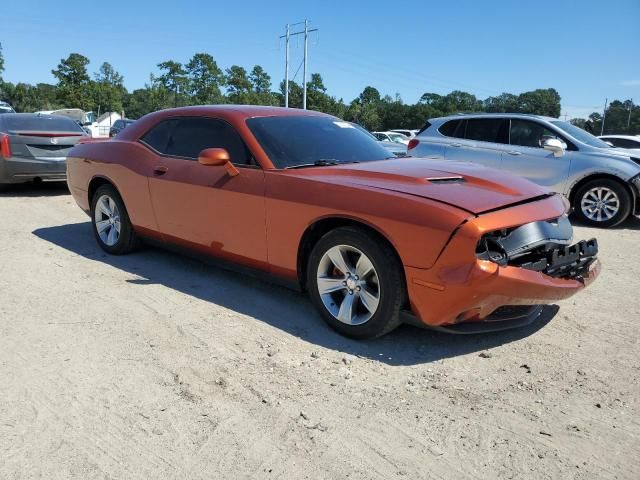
(478, 140)
(203, 206)
(528, 159)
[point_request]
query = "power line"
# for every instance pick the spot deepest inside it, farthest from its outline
(287, 36)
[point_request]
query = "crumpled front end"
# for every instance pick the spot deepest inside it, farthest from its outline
(543, 246)
(499, 268)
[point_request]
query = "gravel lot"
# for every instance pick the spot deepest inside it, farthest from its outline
(154, 366)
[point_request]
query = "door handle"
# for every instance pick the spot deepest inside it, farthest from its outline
(455, 144)
(160, 170)
(514, 152)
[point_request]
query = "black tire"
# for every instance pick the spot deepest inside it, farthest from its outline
(126, 241)
(388, 273)
(623, 196)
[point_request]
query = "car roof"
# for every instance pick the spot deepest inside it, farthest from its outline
(493, 115)
(230, 113)
(628, 137)
(246, 111)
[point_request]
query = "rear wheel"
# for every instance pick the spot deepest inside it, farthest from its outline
(602, 203)
(111, 225)
(356, 283)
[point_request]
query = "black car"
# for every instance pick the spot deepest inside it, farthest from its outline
(119, 125)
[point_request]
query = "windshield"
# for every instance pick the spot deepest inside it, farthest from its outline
(397, 137)
(580, 134)
(290, 141)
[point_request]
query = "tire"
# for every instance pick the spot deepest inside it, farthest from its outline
(107, 206)
(375, 299)
(602, 202)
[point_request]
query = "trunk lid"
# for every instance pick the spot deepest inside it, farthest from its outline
(42, 145)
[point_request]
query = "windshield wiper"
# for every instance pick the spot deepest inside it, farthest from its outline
(323, 162)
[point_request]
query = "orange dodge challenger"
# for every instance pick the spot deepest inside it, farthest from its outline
(316, 203)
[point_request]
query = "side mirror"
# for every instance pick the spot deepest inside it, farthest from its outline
(554, 145)
(217, 157)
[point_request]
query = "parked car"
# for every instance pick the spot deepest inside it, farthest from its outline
(406, 133)
(35, 147)
(119, 125)
(628, 142)
(602, 183)
(6, 108)
(391, 137)
(398, 149)
(314, 202)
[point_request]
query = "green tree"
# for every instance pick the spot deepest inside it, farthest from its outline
(239, 86)
(261, 86)
(260, 80)
(174, 79)
(295, 94)
(108, 89)
(505, 102)
(540, 102)
(204, 79)
(73, 82)
(154, 96)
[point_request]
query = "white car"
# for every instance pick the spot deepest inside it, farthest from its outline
(628, 142)
(405, 132)
(392, 137)
(6, 108)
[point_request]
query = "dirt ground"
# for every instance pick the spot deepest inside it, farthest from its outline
(155, 366)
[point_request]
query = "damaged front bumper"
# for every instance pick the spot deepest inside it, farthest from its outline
(542, 246)
(497, 270)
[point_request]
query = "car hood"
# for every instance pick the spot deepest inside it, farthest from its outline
(468, 186)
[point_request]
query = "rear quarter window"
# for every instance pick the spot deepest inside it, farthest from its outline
(453, 128)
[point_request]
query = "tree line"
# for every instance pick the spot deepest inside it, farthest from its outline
(201, 81)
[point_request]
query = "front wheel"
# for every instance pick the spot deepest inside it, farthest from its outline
(111, 225)
(602, 203)
(356, 283)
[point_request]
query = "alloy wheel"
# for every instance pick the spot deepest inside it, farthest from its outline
(348, 285)
(107, 220)
(600, 204)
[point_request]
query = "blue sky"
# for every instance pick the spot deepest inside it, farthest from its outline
(587, 50)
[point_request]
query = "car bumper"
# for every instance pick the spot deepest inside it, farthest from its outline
(460, 288)
(19, 170)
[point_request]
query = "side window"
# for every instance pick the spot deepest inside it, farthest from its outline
(623, 142)
(530, 134)
(187, 137)
(158, 137)
(493, 130)
(453, 128)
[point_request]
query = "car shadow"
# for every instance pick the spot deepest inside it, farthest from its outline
(35, 189)
(279, 307)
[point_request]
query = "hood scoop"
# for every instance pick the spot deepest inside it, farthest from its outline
(448, 179)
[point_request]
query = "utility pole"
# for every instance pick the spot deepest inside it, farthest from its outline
(304, 69)
(287, 36)
(604, 115)
(286, 69)
(629, 117)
